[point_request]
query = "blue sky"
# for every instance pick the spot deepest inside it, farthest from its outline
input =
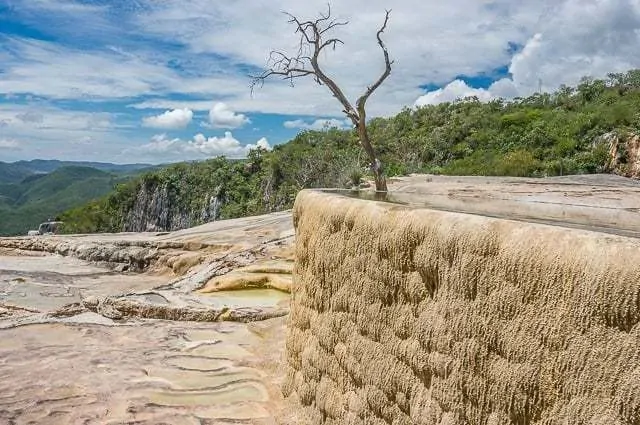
(157, 81)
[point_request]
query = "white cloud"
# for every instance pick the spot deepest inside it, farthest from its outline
(198, 147)
(194, 105)
(571, 40)
(9, 144)
(136, 69)
(174, 119)
(46, 69)
(320, 124)
(55, 71)
(34, 121)
(579, 38)
(504, 88)
(456, 37)
(61, 6)
(263, 143)
(38, 119)
(458, 89)
(222, 116)
(44, 131)
(431, 43)
(455, 90)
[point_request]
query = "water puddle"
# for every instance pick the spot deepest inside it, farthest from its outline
(198, 363)
(247, 298)
(235, 393)
(234, 413)
(222, 351)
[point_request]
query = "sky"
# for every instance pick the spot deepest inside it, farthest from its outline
(158, 81)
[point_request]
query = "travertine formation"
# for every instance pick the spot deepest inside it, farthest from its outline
(401, 314)
(81, 343)
(415, 316)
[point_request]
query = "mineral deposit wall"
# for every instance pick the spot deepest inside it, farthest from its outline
(415, 316)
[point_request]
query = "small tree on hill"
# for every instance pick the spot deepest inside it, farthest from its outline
(314, 38)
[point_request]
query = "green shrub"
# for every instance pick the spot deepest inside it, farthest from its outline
(355, 176)
(520, 163)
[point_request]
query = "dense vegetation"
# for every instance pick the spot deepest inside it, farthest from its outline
(541, 135)
(38, 197)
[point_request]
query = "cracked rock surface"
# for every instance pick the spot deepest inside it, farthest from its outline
(134, 328)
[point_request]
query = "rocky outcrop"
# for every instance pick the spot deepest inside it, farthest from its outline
(138, 306)
(414, 316)
(623, 153)
(125, 255)
(156, 209)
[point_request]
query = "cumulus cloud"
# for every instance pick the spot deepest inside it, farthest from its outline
(222, 116)
(580, 38)
(453, 91)
(458, 89)
(504, 88)
(558, 42)
(199, 147)
(50, 69)
(172, 119)
(263, 143)
(572, 40)
(319, 124)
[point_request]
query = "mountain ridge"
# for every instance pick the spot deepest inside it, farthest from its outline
(14, 172)
(41, 196)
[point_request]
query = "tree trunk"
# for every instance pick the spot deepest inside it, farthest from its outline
(378, 176)
(376, 165)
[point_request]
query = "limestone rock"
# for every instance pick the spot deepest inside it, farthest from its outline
(623, 153)
(91, 302)
(419, 316)
(109, 311)
(156, 210)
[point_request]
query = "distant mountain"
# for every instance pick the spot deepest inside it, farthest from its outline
(40, 196)
(14, 172)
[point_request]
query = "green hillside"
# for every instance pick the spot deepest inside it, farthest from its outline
(25, 205)
(15, 172)
(548, 134)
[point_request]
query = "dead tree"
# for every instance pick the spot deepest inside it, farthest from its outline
(314, 39)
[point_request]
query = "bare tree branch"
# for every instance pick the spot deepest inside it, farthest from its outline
(333, 24)
(302, 65)
(306, 63)
(332, 41)
(387, 70)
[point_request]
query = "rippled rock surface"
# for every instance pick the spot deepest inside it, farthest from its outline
(137, 328)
